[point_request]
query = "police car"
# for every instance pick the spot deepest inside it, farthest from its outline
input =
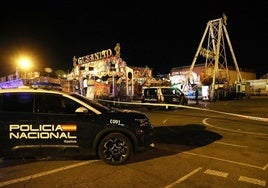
(38, 122)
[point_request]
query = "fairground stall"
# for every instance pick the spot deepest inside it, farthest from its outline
(101, 75)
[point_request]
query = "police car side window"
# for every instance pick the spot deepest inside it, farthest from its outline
(41, 103)
(51, 103)
(17, 102)
(48, 103)
(69, 105)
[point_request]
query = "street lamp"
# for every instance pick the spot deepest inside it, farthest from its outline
(24, 63)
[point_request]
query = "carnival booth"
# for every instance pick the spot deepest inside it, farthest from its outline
(102, 75)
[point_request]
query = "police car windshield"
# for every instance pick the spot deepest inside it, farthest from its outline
(92, 103)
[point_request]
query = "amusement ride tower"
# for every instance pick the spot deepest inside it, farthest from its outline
(215, 54)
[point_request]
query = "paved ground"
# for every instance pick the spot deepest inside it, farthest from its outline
(254, 106)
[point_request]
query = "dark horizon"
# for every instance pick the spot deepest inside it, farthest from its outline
(161, 36)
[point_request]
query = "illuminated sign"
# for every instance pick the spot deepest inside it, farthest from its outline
(96, 56)
(207, 53)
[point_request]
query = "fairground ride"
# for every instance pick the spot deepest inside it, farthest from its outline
(215, 73)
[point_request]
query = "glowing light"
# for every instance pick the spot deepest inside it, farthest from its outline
(24, 64)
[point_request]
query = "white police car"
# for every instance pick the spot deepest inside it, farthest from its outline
(37, 122)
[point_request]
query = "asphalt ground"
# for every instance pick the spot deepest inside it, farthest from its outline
(256, 106)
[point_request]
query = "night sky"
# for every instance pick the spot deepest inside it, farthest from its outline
(160, 35)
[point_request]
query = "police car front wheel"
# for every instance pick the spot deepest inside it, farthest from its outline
(115, 149)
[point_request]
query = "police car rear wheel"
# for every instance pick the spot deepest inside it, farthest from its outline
(115, 149)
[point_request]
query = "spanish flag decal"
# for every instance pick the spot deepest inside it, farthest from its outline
(69, 128)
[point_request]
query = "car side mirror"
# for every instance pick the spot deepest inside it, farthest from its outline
(81, 110)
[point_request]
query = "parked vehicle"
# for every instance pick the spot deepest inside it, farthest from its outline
(47, 85)
(168, 95)
(38, 122)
